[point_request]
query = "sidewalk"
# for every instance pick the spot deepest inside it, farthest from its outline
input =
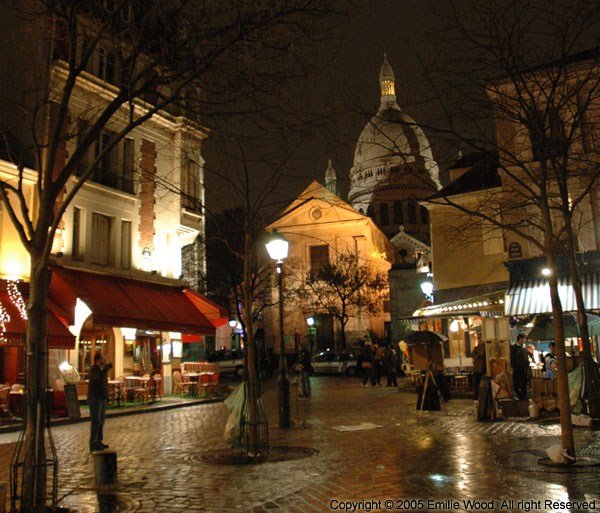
(366, 446)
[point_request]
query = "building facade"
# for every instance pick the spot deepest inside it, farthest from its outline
(320, 226)
(128, 239)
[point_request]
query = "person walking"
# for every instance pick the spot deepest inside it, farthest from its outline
(390, 364)
(305, 360)
(368, 358)
(479, 364)
(97, 396)
(520, 365)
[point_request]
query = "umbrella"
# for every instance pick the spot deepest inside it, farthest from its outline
(424, 337)
(543, 328)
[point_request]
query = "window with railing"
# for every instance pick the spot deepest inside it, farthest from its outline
(116, 167)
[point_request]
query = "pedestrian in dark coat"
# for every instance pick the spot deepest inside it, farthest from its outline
(305, 361)
(97, 396)
(378, 362)
(390, 364)
(368, 358)
(520, 366)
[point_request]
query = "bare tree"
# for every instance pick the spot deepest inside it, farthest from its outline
(164, 56)
(343, 289)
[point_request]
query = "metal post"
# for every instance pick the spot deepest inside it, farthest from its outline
(283, 384)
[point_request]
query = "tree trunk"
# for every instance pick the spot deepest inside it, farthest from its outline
(34, 470)
(564, 404)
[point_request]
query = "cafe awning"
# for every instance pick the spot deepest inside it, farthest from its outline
(484, 304)
(59, 337)
(533, 296)
(127, 302)
(212, 311)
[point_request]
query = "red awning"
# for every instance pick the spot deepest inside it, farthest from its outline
(214, 313)
(126, 302)
(59, 335)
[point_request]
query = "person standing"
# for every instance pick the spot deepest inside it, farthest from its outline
(479, 364)
(367, 363)
(378, 362)
(97, 396)
(390, 364)
(549, 356)
(305, 360)
(520, 365)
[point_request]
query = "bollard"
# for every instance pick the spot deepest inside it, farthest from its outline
(105, 467)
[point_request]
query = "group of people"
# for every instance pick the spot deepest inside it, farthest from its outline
(378, 361)
(523, 358)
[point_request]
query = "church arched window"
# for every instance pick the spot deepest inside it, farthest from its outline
(384, 214)
(398, 218)
(371, 212)
(412, 213)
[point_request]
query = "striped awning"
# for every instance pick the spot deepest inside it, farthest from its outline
(533, 296)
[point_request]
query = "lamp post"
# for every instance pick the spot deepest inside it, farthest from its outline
(232, 325)
(277, 248)
(311, 333)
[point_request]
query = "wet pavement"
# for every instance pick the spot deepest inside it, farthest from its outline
(372, 452)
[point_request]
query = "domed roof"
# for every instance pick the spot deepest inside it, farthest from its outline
(392, 133)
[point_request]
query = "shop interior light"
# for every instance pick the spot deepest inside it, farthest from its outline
(546, 271)
(454, 326)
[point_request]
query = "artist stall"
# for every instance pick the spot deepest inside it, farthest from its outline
(427, 357)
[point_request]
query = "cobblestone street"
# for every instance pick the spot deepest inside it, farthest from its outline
(441, 456)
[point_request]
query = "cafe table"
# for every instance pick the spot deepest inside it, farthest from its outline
(117, 384)
(195, 379)
(136, 382)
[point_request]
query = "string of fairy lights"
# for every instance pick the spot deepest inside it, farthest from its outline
(15, 297)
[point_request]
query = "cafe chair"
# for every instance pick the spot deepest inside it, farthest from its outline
(204, 383)
(142, 391)
(156, 392)
(214, 382)
(180, 384)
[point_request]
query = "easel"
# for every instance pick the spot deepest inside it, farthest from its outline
(428, 373)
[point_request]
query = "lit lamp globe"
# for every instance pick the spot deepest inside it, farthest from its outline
(310, 321)
(278, 247)
(232, 324)
(427, 288)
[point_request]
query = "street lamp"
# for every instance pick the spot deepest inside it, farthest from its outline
(232, 325)
(311, 333)
(277, 248)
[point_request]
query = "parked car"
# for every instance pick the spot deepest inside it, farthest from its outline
(332, 362)
(231, 362)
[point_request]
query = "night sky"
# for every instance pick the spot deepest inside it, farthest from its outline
(404, 30)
